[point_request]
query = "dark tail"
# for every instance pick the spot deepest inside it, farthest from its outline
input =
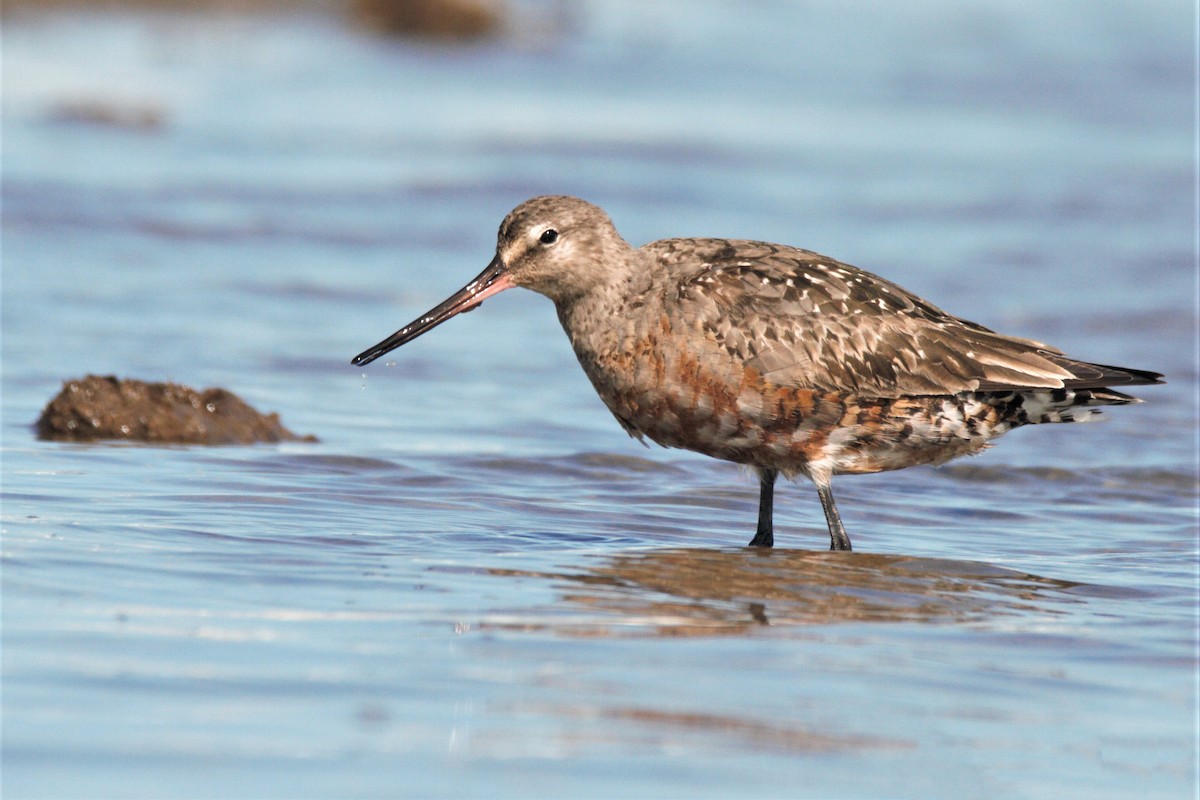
(1102, 376)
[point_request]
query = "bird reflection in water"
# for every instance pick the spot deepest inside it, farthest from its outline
(704, 592)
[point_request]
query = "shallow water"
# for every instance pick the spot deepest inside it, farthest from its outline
(476, 584)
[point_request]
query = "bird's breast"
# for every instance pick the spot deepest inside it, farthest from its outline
(677, 390)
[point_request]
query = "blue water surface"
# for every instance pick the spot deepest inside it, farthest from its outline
(475, 584)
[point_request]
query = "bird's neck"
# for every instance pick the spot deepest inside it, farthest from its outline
(599, 320)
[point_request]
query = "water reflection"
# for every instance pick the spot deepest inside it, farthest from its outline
(705, 592)
(672, 730)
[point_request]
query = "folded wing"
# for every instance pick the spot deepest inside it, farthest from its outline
(804, 320)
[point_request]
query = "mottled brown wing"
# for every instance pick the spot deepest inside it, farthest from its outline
(802, 319)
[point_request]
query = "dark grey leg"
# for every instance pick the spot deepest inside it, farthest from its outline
(838, 539)
(764, 536)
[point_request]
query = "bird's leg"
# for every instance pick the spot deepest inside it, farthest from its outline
(838, 539)
(764, 536)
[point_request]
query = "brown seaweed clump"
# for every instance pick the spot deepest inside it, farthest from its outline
(103, 407)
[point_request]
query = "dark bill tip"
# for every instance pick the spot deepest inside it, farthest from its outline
(489, 282)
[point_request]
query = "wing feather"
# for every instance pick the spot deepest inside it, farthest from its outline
(804, 320)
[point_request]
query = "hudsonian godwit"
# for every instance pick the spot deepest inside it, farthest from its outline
(775, 357)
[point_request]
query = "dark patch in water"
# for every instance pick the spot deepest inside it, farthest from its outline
(445, 20)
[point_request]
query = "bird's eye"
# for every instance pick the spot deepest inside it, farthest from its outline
(549, 236)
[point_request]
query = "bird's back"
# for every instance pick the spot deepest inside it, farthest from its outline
(805, 320)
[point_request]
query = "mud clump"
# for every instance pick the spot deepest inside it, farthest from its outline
(447, 20)
(98, 407)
